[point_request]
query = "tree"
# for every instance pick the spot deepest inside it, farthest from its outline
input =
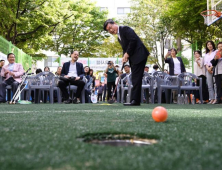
(32, 25)
(83, 31)
(110, 47)
(187, 23)
(27, 24)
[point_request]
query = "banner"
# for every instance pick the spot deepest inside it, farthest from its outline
(97, 64)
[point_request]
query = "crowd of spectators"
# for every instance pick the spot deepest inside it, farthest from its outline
(208, 68)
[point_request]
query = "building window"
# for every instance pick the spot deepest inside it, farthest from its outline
(103, 9)
(123, 10)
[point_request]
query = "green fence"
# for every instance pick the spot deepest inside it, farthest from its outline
(21, 57)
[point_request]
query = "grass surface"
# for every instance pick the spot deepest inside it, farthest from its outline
(44, 137)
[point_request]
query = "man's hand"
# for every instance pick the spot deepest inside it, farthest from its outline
(6, 73)
(11, 73)
(77, 78)
(66, 76)
(125, 58)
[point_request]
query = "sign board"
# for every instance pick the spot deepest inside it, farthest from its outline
(97, 64)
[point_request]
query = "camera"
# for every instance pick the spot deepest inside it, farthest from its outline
(169, 51)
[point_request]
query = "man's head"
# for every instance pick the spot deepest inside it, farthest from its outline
(100, 83)
(2, 63)
(146, 69)
(127, 69)
(75, 56)
(155, 67)
(110, 26)
(110, 63)
(11, 58)
(39, 70)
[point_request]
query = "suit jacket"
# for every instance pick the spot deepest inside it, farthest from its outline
(79, 68)
(18, 71)
(171, 65)
(132, 44)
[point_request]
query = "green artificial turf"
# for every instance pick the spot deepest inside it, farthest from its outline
(45, 137)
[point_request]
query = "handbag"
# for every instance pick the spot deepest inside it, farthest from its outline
(9, 81)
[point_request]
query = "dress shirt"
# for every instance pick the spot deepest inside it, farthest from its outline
(72, 70)
(118, 34)
(11, 67)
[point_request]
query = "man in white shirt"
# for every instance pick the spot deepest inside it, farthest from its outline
(72, 73)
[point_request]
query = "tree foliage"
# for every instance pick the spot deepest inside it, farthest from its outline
(83, 31)
(110, 47)
(187, 23)
(145, 19)
(32, 24)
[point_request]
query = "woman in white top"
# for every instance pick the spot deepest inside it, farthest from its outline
(176, 65)
(210, 53)
(200, 71)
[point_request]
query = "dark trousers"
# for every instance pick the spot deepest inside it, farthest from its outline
(110, 85)
(204, 88)
(3, 85)
(137, 75)
(104, 92)
(99, 96)
(218, 79)
(63, 84)
(87, 96)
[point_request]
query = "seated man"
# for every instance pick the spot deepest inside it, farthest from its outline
(2, 63)
(127, 72)
(72, 72)
(12, 74)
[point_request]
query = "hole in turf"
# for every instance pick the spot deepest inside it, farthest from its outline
(119, 139)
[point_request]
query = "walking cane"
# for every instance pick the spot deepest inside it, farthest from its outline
(20, 88)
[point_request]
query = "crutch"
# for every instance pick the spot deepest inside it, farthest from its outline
(20, 88)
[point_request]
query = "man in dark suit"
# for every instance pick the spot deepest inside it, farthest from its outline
(72, 72)
(134, 51)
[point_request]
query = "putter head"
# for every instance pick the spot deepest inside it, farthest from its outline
(111, 101)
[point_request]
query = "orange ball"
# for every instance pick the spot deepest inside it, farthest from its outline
(159, 114)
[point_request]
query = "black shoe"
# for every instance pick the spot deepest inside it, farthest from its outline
(68, 101)
(2, 101)
(75, 100)
(133, 103)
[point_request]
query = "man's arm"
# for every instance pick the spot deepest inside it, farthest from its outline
(4, 72)
(132, 38)
(106, 70)
(82, 73)
(20, 71)
(63, 70)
